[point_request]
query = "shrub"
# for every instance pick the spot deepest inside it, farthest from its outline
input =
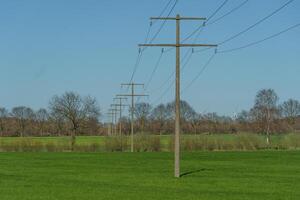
(116, 143)
(143, 143)
(92, 147)
(290, 141)
(219, 143)
(151, 143)
(22, 145)
(249, 142)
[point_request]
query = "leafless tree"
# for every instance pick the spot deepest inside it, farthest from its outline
(186, 110)
(243, 117)
(266, 109)
(23, 115)
(290, 110)
(195, 121)
(142, 112)
(58, 122)
(75, 109)
(159, 115)
(3, 116)
(42, 117)
(170, 111)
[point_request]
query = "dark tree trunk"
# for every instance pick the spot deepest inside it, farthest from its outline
(73, 139)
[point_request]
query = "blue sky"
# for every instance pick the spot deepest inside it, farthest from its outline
(90, 46)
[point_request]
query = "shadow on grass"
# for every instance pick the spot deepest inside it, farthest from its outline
(194, 171)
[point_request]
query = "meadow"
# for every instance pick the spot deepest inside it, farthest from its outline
(205, 175)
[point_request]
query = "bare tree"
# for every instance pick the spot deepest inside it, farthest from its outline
(23, 115)
(3, 116)
(195, 121)
(142, 112)
(290, 110)
(159, 114)
(42, 117)
(186, 110)
(170, 111)
(75, 109)
(243, 117)
(187, 113)
(189, 116)
(266, 109)
(58, 121)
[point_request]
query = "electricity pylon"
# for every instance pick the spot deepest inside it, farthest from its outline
(132, 95)
(178, 45)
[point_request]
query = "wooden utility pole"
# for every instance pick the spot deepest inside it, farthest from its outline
(110, 128)
(178, 45)
(120, 105)
(132, 95)
(114, 119)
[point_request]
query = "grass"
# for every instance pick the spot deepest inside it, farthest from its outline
(79, 139)
(128, 176)
(201, 142)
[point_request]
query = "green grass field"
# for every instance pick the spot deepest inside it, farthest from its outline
(209, 175)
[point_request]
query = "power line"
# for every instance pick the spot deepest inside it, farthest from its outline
(154, 69)
(200, 73)
(148, 32)
(250, 27)
(178, 46)
(132, 95)
(245, 46)
(201, 26)
(199, 30)
(231, 38)
(154, 21)
(164, 93)
(228, 13)
(136, 65)
(164, 10)
(260, 41)
(185, 60)
(182, 68)
(217, 10)
(257, 23)
(163, 24)
(239, 48)
(154, 37)
(186, 56)
(191, 50)
(138, 60)
(172, 82)
(202, 50)
(153, 72)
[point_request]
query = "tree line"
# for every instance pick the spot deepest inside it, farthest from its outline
(68, 114)
(73, 114)
(267, 116)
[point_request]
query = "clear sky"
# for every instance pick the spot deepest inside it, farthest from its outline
(90, 46)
